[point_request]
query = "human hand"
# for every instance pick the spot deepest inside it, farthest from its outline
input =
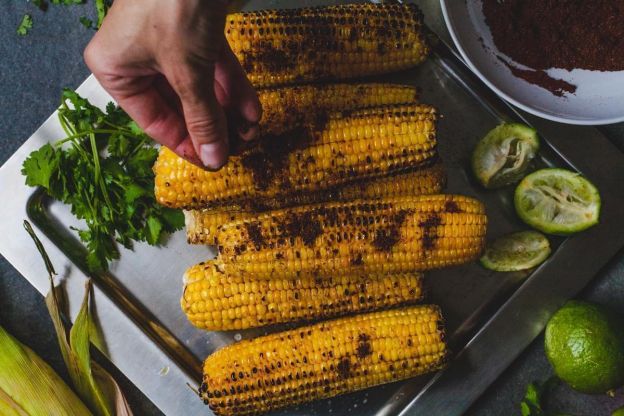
(168, 65)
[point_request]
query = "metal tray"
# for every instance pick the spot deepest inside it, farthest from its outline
(490, 316)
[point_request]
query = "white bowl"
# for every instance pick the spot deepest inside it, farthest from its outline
(599, 98)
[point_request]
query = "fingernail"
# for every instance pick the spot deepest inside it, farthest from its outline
(213, 155)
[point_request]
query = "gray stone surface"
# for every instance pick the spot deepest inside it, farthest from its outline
(33, 70)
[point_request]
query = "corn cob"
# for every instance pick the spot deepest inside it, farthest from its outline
(346, 148)
(390, 235)
(217, 301)
(202, 225)
(286, 107)
(323, 360)
(277, 47)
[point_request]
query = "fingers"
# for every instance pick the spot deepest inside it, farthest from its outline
(159, 119)
(205, 119)
(161, 71)
(144, 95)
(235, 92)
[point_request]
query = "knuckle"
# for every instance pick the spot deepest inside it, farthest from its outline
(206, 128)
(91, 56)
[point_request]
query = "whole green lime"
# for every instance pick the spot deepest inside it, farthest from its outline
(585, 345)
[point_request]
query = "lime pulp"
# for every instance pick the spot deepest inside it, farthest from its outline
(517, 251)
(557, 201)
(503, 156)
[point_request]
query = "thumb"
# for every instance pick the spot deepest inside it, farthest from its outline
(204, 117)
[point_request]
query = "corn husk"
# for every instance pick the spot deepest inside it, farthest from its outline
(30, 387)
(94, 385)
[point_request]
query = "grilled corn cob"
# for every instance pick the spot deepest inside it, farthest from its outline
(202, 225)
(277, 47)
(323, 360)
(343, 149)
(388, 235)
(286, 107)
(218, 301)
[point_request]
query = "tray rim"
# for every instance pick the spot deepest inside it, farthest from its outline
(15, 251)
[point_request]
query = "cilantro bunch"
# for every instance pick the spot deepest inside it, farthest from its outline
(103, 170)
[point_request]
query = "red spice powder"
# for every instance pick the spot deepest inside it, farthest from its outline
(540, 78)
(568, 34)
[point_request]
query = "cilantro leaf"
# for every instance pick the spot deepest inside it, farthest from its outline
(26, 24)
(41, 4)
(40, 166)
(103, 170)
(173, 219)
(533, 400)
(86, 22)
(101, 7)
(154, 227)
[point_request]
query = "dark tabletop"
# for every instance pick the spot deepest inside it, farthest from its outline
(33, 69)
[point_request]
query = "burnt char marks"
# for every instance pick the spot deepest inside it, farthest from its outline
(344, 368)
(364, 348)
(330, 216)
(268, 160)
(319, 121)
(429, 230)
(387, 237)
(357, 260)
(255, 234)
(268, 57)
(451, 207)
(305, 226)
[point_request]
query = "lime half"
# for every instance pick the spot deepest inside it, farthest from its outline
(557, 201)
(518, 251)
(503, 155)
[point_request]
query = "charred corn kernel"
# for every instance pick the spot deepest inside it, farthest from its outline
(323, 360)
(388, 235)
(429, 180)
(286, 107)
(315, 158)
(277, 47)
(208, 289)
(202, 225)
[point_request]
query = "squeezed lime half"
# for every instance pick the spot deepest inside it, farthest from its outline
(557, 201)
(517, 251)
(502, 157)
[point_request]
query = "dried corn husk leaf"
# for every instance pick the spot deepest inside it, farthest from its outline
(94, 385)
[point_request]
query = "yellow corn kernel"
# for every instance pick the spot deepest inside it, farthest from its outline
(324, 360)
(311, 159)
(282, 301)
(284, 108)
(387, 235)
